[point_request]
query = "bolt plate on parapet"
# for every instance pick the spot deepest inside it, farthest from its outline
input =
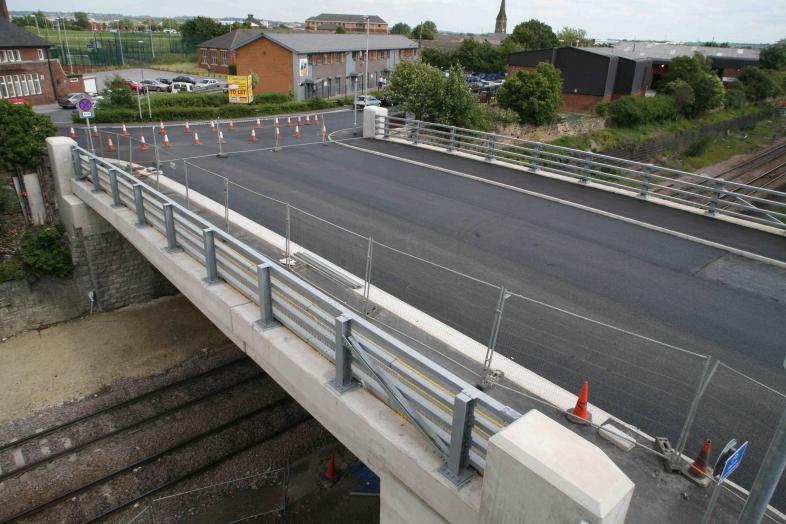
(457, 480)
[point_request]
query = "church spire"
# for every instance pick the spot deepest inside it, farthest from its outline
(502, 20)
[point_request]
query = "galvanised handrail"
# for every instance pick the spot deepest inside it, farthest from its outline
(454, 414)
(714, 196)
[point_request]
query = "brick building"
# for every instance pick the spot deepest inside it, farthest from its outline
(27, 70)
(307, 63)
(350, 23)
(588, 76)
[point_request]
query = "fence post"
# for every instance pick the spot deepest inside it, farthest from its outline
(169, 222)
(457, 467)
(717, 191)
(115, 189)
(94, 176)
(537, 157)
(265, 297)
(492, 144)
(452, 144)
(367, 280)
(343, 359)
(417, 132)
(587, 166)
(706, 375)
(210, 255)
(767, 478)
(140, 205)
(503, 295)
(645, 184)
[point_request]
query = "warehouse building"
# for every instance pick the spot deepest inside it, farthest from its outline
(349, 23)
(588, 76)
(308, 63)
(27, 71)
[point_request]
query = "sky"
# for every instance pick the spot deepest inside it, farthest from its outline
(754, 21)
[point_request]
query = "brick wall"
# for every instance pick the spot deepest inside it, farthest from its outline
(218, 67)
(271, 62)
(52, 78)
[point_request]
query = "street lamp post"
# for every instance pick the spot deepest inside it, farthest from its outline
(365, 76)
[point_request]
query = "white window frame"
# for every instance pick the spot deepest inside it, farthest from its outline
(25, 88)
(40, 54)
(3, 88)
(9, 81)
(204, 56)
(3, 57)
(224, 58)
(213, 57)
(18, 85)
(37, 83)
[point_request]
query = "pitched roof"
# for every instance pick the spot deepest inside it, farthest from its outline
(11, 35)
(233, 39)
(663, 51)
(330, 42)
(327, 17)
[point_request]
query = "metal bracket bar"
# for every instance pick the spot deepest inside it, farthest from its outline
(169, 222)
(457, 469)
(94, 176)
(495, 326)
(265, 297)
(140, 206)
(210, 255)
(115, 189)
(343, 381)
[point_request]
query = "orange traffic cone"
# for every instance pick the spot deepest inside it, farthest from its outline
(297, 131)
(124, 132)
(299, 121)
(188, 128)
(109, 145)
(167, 143)
(289, 121)
(72, 133)
(276, 124)
(316, 119)
(212, 126)
(699, 471)
(231, 126)
(253, 135)
(196, 139)
(324, 132)
(95, 130)
(308, 120)
(330, 470)
(579, 414)
(161, 129)
(258, 125)
(221, 137)
(142, 143)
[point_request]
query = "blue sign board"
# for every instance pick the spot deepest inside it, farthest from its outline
(733, 462)
(90, 46)
(85, 104)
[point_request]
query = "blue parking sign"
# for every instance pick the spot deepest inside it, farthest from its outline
(733, 462)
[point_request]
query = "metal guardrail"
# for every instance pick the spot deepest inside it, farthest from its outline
(714, 196)
(452, 414)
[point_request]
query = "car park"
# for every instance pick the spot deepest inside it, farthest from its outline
(364, 101)
(185, 78)
(154, 85)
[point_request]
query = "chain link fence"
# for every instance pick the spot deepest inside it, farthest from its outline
(85, 50)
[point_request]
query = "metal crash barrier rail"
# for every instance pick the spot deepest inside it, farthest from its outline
(456, 417)
(714, 196)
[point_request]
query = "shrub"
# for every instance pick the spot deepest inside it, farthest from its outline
(22, 136)
(700, 146)
(270, 98)
(758, 84)
(232, 68)
(534, 95)
(45, 252)
(683, 95)
(602, 109)
(735, 98)
(631, 111)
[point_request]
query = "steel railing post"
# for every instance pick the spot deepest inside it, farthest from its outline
(114, 187)
(208, 235)
(457, 466)
(717, 191)
(585, 174)
(768, 477)
(417, 132)
(645, 184)
(490, 153)
(452, 143)
(709, 370)
(169, 222)
(537, 157)
(386, 132)
(94, 175)
(343, 381)
(266, 320)
(140, 205)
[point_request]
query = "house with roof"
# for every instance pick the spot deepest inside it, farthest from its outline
(307, 63)
(589, 76)
(350, 23)
(27, 70)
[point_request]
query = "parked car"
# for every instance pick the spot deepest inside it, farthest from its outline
(69, 100)
(182, 87)
(18, 101)
(167, 81)
(185, 78)
(135, 86)
(225, 88)
(363, 101)
(207, 84)
(154, 85)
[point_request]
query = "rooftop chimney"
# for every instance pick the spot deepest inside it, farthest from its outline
(4, 10)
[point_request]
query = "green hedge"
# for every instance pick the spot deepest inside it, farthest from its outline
(109, 114)
(632, 111)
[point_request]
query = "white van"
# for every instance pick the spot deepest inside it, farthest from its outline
(182, 87)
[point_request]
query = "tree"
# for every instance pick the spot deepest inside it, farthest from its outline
(340, 30)
(758, 84)
(199, 29)
(774, 57)
(707, 87)
(534, 95)
(457, 106)
(534, 34)
(440, 58)
(416, 87)
(425, 31)
(400, 29)
(683, 95)
(575, 37)
(22, 133)
(81, 20)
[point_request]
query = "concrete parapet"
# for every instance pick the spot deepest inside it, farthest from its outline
(370, 114)
(539, 471)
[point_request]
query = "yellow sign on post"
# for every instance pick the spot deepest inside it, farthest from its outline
(241, 90)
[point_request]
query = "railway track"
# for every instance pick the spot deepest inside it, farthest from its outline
(224, 411)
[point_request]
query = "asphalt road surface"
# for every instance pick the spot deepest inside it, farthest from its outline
(680, 292)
